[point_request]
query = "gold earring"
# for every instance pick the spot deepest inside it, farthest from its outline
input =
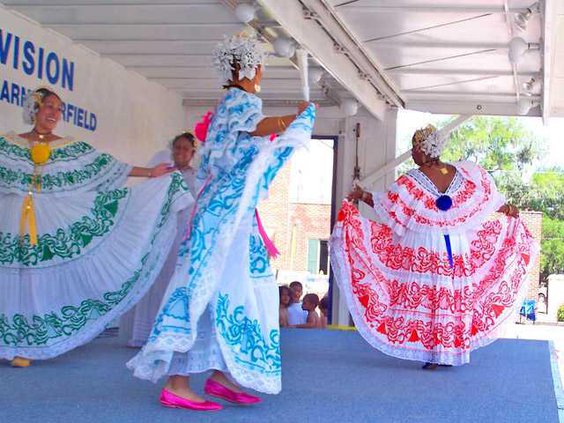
(257, 88)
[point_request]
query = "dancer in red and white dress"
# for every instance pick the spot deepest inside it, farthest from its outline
(439, 272)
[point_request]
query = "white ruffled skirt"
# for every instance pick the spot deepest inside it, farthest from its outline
(97, 254)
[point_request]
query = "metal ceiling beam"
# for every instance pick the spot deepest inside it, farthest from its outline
(150, 60)
(463, 94)
(350, 6)
(72, 3)
(205, 76)
(137, 24)
(426, 28)
(150, 32)
(511, 32)
(439, 44)
(469, 106)
(203, 69)
(135, 53)
(268, 34)
(82, 39)
(59, 3)
(353, 48)
(547, 28)
(329, 43)
(454, 72)
(448, 84)
(439, 59)
(211, 101)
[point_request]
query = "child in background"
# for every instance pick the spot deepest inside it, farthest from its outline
(323, 305)
(296, 315)
(285, 298)
(310, 303)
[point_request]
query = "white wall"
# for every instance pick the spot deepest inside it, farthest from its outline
(134, 117)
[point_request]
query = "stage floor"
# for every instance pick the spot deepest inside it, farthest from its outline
(328, 376)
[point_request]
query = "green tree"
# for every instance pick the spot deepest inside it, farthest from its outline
(503, 146)
(545, 193)
(552, 247)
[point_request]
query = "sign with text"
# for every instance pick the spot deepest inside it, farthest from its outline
(46, 67)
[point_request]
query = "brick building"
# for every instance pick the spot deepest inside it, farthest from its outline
(297, 217)
(294, 226)
(533, 220)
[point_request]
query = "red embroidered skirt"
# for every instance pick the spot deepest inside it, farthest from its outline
(409, 302)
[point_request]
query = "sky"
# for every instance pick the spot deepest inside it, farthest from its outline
(553, 132)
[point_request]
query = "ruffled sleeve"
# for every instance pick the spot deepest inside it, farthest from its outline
(411, 205)
(389, 209)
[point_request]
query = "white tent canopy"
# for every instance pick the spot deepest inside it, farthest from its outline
(439, 56)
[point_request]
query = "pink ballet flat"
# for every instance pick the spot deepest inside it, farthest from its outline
(168, 399)
(216, 389)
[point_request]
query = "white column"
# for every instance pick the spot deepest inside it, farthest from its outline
(377, 146)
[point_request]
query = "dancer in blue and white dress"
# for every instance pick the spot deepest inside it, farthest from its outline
(77, 249)
(220, 312)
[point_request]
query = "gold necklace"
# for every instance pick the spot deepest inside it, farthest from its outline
(41, 136)
(443, 169)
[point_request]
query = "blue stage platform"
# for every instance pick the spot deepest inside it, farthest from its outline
(328, 376)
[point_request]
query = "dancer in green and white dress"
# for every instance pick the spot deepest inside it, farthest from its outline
(77, 248)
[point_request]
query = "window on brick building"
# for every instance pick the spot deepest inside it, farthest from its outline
(318, 256)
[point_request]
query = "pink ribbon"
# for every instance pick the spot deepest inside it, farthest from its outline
(270, 247)
(193, 212)
(201, 128)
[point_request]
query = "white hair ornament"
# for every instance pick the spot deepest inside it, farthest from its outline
(243, 50)
(431, 141)
(31, 105)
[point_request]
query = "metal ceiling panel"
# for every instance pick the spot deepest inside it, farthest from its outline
(168, 41)
(435, 51)
(124, 14)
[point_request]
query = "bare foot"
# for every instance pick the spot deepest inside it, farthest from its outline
(178, 385)
(220, 378)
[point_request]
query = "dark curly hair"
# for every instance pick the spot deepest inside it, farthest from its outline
(188, 135)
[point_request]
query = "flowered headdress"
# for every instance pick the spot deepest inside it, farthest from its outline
(242, 50)
(432, 141)
(33, 102)
(429, 141)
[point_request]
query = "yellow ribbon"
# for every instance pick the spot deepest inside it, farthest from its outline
(340, 327)
(28, 219)
(40, 154)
